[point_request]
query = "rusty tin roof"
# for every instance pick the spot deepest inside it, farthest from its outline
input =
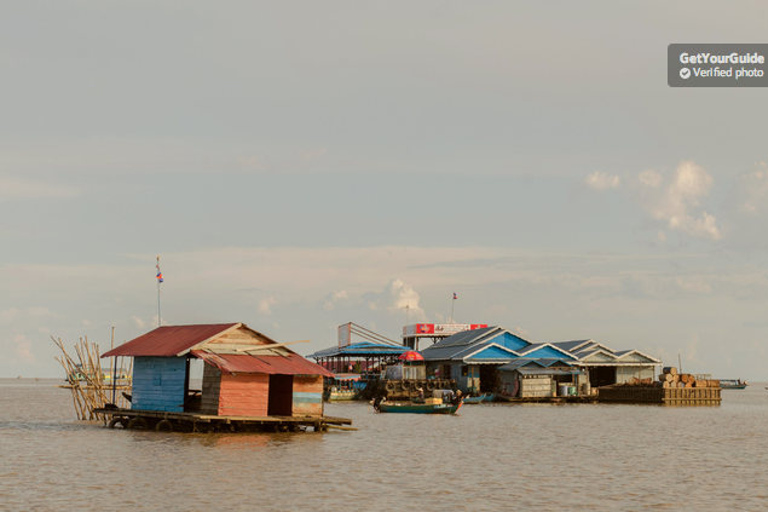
(169, 340)
(290, 364)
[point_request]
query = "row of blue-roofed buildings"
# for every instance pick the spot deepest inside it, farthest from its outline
(495, 359)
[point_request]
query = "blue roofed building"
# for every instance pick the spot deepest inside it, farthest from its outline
(474, 359)
(471, 358)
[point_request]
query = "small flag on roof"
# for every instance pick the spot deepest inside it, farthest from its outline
(455, 296)
(159, 274)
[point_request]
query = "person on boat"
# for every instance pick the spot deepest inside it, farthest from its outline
(419, 396)
(377, 402)
(456, 397)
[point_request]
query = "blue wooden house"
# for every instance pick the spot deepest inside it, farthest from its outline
(245, 373)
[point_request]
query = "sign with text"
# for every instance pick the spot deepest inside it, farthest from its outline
(717, 65)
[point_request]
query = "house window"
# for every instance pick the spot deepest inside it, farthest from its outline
(464, 370)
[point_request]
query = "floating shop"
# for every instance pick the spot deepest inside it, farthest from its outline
(249, 382)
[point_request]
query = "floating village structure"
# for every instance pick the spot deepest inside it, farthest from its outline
(494, 359)
(249, 382)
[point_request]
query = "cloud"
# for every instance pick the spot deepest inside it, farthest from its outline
(12, 187)
(403, 296)
(23, 349)
(332, 299)
(676, 201)
(602, 181)
(265, 305)
(753, 187)
(650, 178)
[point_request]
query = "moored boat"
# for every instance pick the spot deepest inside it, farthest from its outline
(733, 384)
(485, 397)
(419, 408)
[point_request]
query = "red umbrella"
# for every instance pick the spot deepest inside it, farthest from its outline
(410, 355)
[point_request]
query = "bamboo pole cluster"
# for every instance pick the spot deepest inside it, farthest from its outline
(92, 386)
(670, 378)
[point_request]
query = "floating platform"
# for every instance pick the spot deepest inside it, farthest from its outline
(193, 422)
(547, 399)
(659, 395)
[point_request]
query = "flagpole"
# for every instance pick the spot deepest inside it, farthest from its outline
(159, 280)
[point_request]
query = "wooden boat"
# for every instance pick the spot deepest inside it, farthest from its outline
(733, 384)
(485, 397)
(418, 408)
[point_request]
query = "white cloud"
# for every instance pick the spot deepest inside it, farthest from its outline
(602, 181)
(23, 349)
(265, 305)
(650, 178)
(754, 189)
(332, 299)
(678, 202)
(12, 187)
(403, 296)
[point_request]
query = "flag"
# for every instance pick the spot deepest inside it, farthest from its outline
(455, 296)
(159, 274)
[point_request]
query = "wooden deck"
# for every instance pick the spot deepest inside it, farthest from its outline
(659, 395)
(547, 399)
(193, 422)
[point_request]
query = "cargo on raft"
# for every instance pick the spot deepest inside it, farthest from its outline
(672, 388)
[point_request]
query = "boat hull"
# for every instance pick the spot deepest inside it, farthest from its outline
(419, 408)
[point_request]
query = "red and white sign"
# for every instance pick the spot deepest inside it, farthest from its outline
(432, 330)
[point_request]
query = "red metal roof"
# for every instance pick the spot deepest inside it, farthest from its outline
(291, 364)
(168, 340)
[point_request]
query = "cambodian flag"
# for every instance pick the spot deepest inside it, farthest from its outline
(455, 296)
(159, 274)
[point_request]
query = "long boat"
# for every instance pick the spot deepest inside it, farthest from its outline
(417, 408)
(733, 384)
(485, 397)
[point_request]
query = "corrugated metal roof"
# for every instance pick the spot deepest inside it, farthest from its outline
(291, 364)
(361, 349)
(568, 346)
(548, 371)
(528, 362)
(169, 340)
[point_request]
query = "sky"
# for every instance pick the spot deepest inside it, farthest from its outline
(299, 165)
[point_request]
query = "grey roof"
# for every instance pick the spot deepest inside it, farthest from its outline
(458, 345)
(520, 363)
(548, 371)
(524, 362)
(569, 345)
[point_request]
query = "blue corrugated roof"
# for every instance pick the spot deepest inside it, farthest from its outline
(361, 349)
(465, 343)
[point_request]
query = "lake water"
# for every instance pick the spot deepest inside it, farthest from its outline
(489, 457)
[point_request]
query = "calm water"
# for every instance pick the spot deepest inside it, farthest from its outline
(490, 457)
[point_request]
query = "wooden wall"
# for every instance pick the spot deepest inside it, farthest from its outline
(158, 383)
(307, 395)
(211, 388)
(243, 394)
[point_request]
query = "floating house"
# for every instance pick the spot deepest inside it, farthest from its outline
(245, 373)
(542, 378)
(473, 359)
(606, 366)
